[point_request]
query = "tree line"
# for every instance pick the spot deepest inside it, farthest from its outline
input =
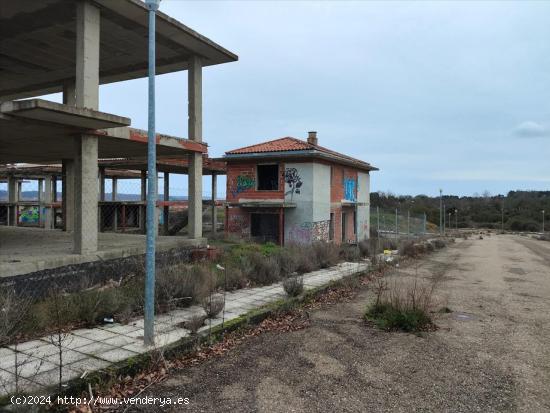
(516, 211)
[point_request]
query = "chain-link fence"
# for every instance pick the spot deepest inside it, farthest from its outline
(397, 223)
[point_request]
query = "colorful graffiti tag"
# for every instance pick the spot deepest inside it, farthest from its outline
(349, 189)
(241, 184)
(308, 232)
(238, 224)
(29, 215)
(292, 178)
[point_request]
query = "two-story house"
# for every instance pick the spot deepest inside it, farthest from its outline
(290, 190)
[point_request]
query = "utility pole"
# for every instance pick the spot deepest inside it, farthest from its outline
(148, 328)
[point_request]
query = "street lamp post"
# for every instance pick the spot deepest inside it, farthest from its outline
(149, 310)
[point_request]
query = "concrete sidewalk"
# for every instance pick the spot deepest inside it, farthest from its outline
(88, 350)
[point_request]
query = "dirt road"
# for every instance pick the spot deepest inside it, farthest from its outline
(491, 354)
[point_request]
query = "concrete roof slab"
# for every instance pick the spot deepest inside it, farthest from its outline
(38, 47)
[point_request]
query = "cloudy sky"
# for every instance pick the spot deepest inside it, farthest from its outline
(436, 94)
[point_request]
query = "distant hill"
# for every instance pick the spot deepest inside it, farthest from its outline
(522, 209)
(33, 195)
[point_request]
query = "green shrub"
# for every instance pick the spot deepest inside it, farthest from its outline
(386, 317)
(350, 253)
(294, 285)
(326, 254)
(263, 270)
(213, 305)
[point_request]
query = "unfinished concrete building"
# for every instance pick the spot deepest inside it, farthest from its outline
(73, 47)
(293, 191)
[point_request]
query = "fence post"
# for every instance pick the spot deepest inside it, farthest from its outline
(396, 225)
(378, 227)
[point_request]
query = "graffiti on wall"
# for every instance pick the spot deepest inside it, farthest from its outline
(29, 215)
(309, 231)
(237, 224)
(292, 178)
(349, 189)
(241, 184)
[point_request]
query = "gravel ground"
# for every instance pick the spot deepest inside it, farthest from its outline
(490, 354)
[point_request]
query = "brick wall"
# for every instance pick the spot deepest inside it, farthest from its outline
(242, 180)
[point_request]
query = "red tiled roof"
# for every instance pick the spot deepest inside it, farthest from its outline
(276, 145)
(289, 144)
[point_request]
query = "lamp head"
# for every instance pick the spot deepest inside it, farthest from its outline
(152, 4)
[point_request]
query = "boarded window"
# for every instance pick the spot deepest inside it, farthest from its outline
(268, 177)
(331, 227)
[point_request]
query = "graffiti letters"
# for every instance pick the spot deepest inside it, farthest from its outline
(242, 183)
(237, 224)
(310, 231)
(349, 189)
(292, 178)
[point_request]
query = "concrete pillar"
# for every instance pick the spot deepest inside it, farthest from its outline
(114, 191)
(13, 198)
(101, 198)
(40, 202)
(142, 207)
(85, 217)
(86, 157)
(48, 199)
(102, 183)
(87, 55)
(166, 209)
(54, 188)
(195, 159)
(214, 218)
(68, 193)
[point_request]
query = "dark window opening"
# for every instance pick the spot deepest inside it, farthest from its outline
(264, 227)
(354, 223)
(268, 177)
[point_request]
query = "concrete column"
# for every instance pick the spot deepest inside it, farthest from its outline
(68, 193)
(54, 188)
(166, 209)
(40, 202)
(13, 198)
(114, 189)
(195, 159)
(48, 199)
(214, 218)
(101, 198)
(85, 217)
(87, 55)
(142, 207)
(102, 183)
(87, 96)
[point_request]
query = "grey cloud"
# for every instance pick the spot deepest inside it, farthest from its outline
(531, 129)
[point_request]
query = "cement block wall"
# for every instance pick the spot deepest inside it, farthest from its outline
(363, 206)
(306, 186)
